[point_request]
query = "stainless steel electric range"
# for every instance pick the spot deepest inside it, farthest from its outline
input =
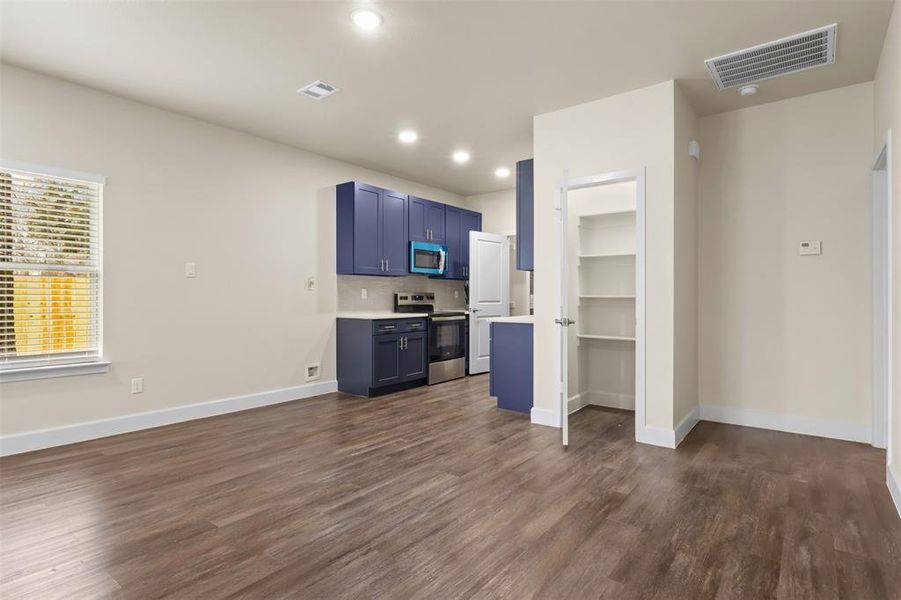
(447, 335)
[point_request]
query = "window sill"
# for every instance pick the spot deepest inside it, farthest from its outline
(51, 371)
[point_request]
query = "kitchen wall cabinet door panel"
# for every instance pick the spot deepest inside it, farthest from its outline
(525, 215)
(426, 220)
(393, 234)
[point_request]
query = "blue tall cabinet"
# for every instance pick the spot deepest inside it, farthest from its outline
(525, 215)
(371, 230)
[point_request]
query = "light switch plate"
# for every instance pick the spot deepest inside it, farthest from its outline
(137, 385)
(810, 247)
(363, 293)
(311, 284)
(190, 269)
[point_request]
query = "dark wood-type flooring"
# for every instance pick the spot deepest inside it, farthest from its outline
(434, 493)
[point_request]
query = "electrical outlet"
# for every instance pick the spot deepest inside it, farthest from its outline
(311, 284)
(363, 293)
(190, 270)
(312, 373)
(456, 294)
(137, 385)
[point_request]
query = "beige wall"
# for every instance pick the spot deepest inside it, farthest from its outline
(499, 216)
(626, 131)
(782, 333)
(887, 104)
(498, 211)
(685, 336)
(257, 217)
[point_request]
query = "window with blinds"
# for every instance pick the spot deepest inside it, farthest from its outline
(50, 269)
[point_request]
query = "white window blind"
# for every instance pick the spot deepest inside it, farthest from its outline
(50, 269)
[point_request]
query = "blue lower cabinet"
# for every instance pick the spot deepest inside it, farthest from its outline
(379, 356)
(510, 380)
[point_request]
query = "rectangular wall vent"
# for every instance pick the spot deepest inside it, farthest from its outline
(317, 90)
(793, 54)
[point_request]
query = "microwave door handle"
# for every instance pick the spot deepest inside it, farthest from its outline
(442, 257)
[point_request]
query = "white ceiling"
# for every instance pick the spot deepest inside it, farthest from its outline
(463, 74)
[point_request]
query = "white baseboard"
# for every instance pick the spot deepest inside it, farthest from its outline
(544, 416)
(80, 432)
(893, 487)
(611, 400)
(655, 436)
(578, 402)
(828, 428)
(687, 424)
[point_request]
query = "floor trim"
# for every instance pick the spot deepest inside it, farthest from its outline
(687, 424)
(893, 488)
(545, 416)
(59, 436)
(828, 428)
(655, 436)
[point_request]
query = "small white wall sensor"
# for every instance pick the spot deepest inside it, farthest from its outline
(810, 247)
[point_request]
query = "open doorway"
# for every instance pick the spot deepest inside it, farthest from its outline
(601, 344)
(882, 297)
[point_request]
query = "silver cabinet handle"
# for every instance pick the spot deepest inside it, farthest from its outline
(381, 264)
(386, 264)
(404, 340)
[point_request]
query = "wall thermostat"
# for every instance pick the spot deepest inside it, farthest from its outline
(810, 247)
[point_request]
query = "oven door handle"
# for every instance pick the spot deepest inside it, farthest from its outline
(460, 318)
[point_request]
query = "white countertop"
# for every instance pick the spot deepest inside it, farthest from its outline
(381, 314)
(376, 315)
(530, 319)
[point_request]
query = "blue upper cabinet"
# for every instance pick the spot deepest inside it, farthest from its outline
(525, 215)
(458, 223)
(393, 233)
(371, 230)
(426, 219)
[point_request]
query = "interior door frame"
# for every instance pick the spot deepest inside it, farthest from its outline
(881, 191)
(639, 177)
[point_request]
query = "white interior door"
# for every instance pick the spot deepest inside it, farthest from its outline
(489, 292)
(563, 322)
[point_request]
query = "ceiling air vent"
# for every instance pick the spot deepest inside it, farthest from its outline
(317, 90)
(796, 53)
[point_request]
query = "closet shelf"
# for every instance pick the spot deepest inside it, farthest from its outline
(625, 211)
(612, 338)
(607, 255)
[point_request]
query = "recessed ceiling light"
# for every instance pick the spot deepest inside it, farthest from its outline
(502, 172)
(408, 136)
(748, 90)
(461, 156)
(366, 19)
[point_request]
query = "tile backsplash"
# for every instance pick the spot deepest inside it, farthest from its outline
(380, 292)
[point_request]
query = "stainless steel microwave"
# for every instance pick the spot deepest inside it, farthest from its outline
(427, 258)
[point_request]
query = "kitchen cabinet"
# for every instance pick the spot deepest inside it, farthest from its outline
(426, 220)
(458, 223)
(510, 378)
(371, 231)
(525, 215)
(380, 356)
